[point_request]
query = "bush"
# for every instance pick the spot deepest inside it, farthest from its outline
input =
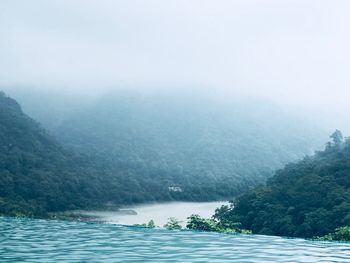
(150, 224)
(340, 234)
(173, 224)
(202, 224)
(196, 222)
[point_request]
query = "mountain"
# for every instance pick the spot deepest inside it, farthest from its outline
(37, 174)
(305, 199)
(208, 147)
(127, 147)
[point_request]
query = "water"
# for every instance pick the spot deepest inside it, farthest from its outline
(32, 240)
(160, 213)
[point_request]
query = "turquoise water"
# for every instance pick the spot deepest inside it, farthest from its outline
(26, 240)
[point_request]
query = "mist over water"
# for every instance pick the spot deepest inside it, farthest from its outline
(159, 213)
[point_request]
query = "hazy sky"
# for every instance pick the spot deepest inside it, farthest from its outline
(292, 51)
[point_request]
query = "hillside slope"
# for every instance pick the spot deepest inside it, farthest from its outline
(215, 148)
(129, 148)
(305, 199)
(37, 174)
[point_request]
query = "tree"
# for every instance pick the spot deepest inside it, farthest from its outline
(196, 222)
(173, 224)
(151, 224)
(305, 199)
(340, 234)
(337, 137)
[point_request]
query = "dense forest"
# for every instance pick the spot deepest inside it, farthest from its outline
(38, 175)
(305, 199)
(206, 147)
(123, 150)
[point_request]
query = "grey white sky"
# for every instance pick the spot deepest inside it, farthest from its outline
(292, 51)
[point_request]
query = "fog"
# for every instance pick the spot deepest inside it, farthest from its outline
(294, 53)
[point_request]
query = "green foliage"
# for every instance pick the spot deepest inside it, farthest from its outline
(245, 231)
(173, 224)
(208, 148)
(22, 215)
(340, 234)
(196, 222)
(150, 224)
(337, 137)
(306, 199)
(39, 176)
(127, 151)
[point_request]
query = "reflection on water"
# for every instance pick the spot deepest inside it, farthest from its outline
(26, 240)
(158, 212)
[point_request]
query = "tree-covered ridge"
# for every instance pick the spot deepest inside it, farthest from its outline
(124, 157)
(305, 199)
(208, 147)
(38, 175)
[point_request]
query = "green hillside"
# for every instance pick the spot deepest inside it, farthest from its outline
(305, 199)
(127, 149)
(211, 148)
(37, 174)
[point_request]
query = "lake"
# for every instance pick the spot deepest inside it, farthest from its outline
(160, 212)
(34, 240)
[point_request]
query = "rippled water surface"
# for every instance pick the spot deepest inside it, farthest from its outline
(26, 240)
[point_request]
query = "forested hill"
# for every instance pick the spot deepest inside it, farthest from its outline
(305, 199)
(128, 148)
(37, 174)
(209, 145)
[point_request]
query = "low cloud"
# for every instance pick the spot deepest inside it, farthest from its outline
(293, 52)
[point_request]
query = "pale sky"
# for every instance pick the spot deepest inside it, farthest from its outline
(295, 52)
